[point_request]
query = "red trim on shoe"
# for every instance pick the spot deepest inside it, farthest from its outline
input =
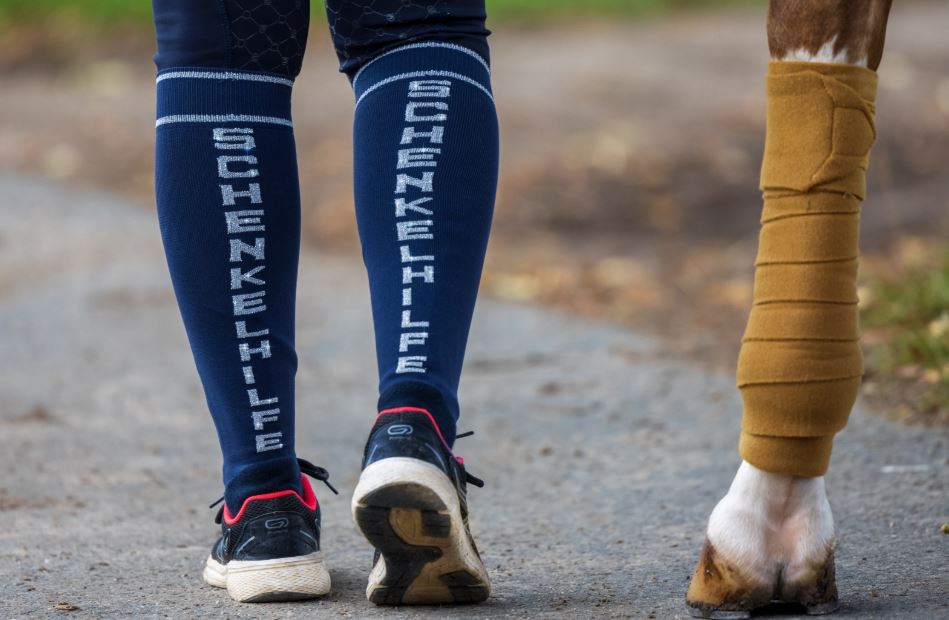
(308, 500)
(418, 410)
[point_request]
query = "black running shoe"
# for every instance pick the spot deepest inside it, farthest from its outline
(270, 550)
(411, 505)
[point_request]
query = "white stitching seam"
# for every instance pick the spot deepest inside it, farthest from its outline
(451, 46)
(221, 118)
(224, 75)
(414, 74)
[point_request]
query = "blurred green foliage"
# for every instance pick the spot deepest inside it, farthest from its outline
(88, 12)
(914, 311)
(110, 13)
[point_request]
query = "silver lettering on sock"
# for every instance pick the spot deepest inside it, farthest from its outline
(430, 88)
(427, 274)
(411, 116)
(238, 247)
(411, 363)
(413, 230)
(224, 162)
(269, 441)
(262, 417)
(408, 339)
(238, 277)
(229, 196)
(407, 257)
(403, 181)
(238, 224)
(255, 401)
(435, 136)
(246, 352)
(231, 139)
(408, 323)
(248, 303)
(402, 207)
(243, 221)
(418, 157)
(248, 375)
(242, 333)
(414, 197)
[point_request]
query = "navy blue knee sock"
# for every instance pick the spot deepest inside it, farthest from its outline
(426, 165)
(229, 211)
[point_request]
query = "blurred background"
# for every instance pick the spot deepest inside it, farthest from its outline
(632, 137)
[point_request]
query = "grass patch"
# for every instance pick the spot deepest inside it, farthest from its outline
(113, 13)
(912, 316)
(89, 13)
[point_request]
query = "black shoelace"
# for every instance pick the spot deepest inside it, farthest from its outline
(317, 473)
(306, 467)
(470, 479)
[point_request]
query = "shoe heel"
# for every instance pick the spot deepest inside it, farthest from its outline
(409, 512)
(285, 579)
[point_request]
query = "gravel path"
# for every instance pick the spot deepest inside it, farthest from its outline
(602, 458)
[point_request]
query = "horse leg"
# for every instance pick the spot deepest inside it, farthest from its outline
(771, 538)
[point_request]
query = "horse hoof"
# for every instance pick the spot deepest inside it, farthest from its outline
(721, 590)
(718, 614)
(822, 609)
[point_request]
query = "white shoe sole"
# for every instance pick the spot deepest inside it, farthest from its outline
(263, 581)
(409, 511)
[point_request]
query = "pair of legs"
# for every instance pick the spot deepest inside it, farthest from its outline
(425, 162)
(425, 165)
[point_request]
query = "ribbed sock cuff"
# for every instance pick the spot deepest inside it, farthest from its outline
(195, 95)
(427, 60)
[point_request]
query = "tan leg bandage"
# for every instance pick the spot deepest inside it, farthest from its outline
(800, 362)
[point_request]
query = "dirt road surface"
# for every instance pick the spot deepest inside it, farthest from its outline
(602, 456)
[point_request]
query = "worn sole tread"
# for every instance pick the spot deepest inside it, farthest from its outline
(425, 549)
